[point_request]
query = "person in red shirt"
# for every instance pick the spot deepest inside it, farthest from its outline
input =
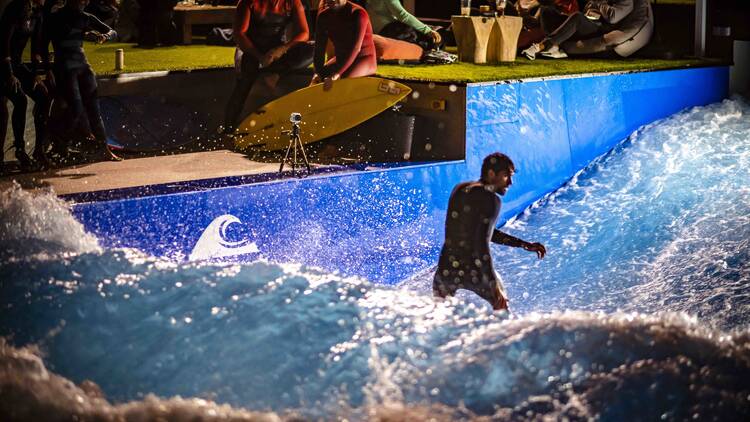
(260, 33)
(348, 28)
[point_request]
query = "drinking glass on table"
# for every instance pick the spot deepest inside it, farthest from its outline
(501, 7)
(465, 7)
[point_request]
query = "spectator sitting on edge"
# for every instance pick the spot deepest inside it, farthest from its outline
(348, 28)
(260, 33)
(390, 19)
(622, 26)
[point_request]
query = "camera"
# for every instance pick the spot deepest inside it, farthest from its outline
(295, 118)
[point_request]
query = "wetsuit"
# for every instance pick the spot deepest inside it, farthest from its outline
(19, 24)
(349, 30)
(624, 27)
(76, 81)
(266, 30)
(465, 260)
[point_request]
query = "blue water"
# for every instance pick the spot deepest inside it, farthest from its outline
(640, 310)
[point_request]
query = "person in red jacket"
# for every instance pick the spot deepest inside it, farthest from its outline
(348, 28)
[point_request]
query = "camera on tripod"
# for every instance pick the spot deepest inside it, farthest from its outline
(295, 145)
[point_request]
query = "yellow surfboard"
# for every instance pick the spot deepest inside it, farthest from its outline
(324, 113)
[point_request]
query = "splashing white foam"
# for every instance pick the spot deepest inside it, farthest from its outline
(40, 224)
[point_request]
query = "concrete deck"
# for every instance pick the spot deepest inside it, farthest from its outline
(141, 172)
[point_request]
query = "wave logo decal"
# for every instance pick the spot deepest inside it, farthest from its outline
(213, 242)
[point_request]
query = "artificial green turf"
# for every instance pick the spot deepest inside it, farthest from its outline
(183, 57)
(102, 58)
(523, 68)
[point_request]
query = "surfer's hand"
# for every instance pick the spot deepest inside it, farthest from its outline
(272, 55)
(315, 79)
(327, 83)
(96, 37)
(536, 247)
(436, 38)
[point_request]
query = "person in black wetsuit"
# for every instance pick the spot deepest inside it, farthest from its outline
(76, 82)
(259, 31)
(465, 260)
(22, 20)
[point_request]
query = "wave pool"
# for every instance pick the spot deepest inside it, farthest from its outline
(639, 312)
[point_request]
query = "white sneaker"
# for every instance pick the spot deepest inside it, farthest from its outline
(531, 52)
(554, 52)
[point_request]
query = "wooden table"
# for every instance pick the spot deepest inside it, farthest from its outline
(187, 16)
(487, 39)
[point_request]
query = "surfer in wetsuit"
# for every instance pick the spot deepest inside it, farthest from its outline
(465, 260)
(76, 82)
(259, 31)
(348, 28)
(22, 21)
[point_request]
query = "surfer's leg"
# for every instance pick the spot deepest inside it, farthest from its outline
(489, 287)
(575, 27)
(442, 287)
(499, 303)
(41, 94)
(242, 88)
(362, 66)
(90, 99)
(18, 123)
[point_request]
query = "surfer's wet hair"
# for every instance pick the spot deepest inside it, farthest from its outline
(496, 162)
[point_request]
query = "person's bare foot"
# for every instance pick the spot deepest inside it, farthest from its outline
(108, 155)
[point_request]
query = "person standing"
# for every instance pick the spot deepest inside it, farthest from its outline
(348, 28)
(259, 31)
(21, 22)
(465, 261)
(76, 81)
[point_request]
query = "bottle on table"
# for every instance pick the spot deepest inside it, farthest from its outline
(465, 7)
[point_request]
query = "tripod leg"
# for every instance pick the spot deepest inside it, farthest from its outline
(286, 157)
(294, 163)
(304, 155)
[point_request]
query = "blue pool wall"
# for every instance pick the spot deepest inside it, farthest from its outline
(386, 223)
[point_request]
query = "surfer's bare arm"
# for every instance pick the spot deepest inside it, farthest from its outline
(321, 41)
(361, 20)
(300, 24)
(240, 27)
(502, 238)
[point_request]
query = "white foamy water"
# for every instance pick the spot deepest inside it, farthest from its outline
(639, 312)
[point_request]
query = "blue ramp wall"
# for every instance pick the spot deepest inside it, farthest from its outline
(385, 224)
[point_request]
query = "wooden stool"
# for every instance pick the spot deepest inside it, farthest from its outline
(472, 36)
(503, 41)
